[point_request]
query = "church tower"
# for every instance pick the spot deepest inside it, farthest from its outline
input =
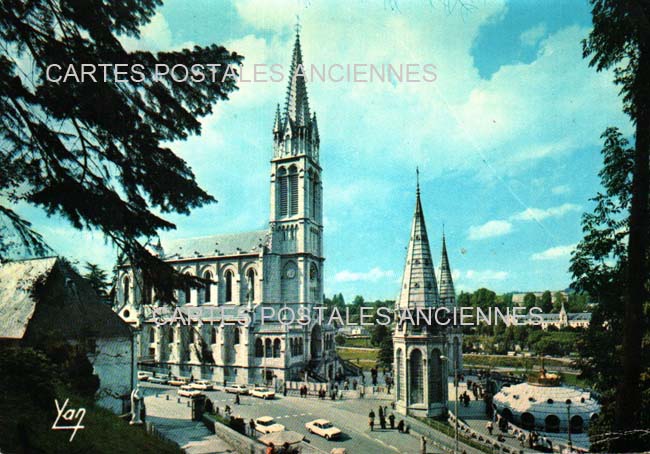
(296, 218)
(420, 349)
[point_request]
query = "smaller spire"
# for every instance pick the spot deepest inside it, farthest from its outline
(314, 125)
(447, 292)
(417, 179)
(277, 124)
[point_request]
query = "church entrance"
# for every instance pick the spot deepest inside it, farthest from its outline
(316, 342)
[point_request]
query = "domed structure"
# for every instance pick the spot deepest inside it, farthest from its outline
(544, 404)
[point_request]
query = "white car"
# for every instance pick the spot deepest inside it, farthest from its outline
(158, 380)
(178, 381)
(267, 425)
(188, 391)
(324, 428)
(263, 393)
(203, 385)
(144, 376)
(236, 389)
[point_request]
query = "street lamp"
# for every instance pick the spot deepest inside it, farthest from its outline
(568, 411)
(446, 359)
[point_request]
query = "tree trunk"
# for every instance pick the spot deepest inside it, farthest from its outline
(628, 397)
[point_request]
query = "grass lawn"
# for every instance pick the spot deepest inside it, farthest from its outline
(365, 358)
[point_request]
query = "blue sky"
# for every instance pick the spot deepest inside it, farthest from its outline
(506, 139)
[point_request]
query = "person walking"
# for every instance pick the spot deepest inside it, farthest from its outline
(270, 449)
(391, 421)
(237, 399)
(423, 445)
(400, 426)
(490, 427)
(371, 420)
(251, 424)
(382, 422)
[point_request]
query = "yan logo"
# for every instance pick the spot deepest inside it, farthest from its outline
(70, 416)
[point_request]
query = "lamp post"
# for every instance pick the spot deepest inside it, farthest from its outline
(568, 411)
(444, 358)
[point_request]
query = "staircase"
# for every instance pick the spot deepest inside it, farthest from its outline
(313, 371)
(349, 368)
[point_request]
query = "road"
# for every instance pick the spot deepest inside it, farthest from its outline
(293, 412)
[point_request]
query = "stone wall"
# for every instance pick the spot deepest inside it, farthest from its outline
(241, 443)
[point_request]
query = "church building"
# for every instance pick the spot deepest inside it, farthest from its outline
(278, 267)
(424, 354)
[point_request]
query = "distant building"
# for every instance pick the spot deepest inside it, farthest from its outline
(41, 297)
(353, 331)
(518, 298)
(563, 319)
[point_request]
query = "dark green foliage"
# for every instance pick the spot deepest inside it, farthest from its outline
(385, 356)
(546, 302)
(98, 279)
(95, 153)
(599, 268)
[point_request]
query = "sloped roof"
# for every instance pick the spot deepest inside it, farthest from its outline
(43, 295)
(210, 246)
(17, 303)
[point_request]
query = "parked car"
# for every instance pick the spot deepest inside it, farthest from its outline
(203, 385)
(267, 425)
(178, 381)
(324, 428)
(158, 380)
(144, 376)
(236, 389)
(262, 392)
(188, 391)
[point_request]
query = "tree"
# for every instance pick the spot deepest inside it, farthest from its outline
(93, 152)
(530, 300)
(98, 279)
(385, 355)
(546, 302)
(378, 334)
(558, 297)
(620, 40)
(599, 267)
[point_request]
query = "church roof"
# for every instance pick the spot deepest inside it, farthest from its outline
(38, 296)
(215, 245)
(447, 293)
(419, 287)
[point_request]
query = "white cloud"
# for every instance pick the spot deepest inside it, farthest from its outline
(532, 36)
(561, 189)
(490, 229)
(554, 253)
(154, 36)
(486, 275)
(538, 214)
(373, 275)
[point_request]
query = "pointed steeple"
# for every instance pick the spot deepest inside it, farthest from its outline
(419, 288)
(297, 133)
(277, 124)
(297, 105)
(447, 293)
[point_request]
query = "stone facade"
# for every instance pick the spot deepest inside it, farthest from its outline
(281, 267)
(424, 354)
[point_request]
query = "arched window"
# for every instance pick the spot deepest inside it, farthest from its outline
(259, 348)
(268, 348)
(207, 290)
(436, 374)
(292, 346)
(276, 348)
(236, 336)
(152, 336)
(314, 196)
(416, 377)
(188, 292)
(301, 347)
(229, 277)
(283, 193)
(213, 335)
(127, 288)
(250, 285)
(293, 191)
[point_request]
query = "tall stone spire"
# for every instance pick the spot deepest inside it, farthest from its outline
(295, 133)
(447, 293)
(297, 105)
(419, 288)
